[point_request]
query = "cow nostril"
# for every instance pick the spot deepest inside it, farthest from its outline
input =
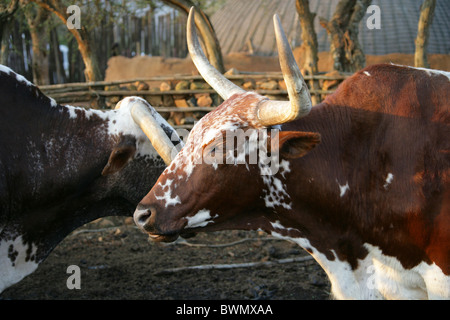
(142, 216)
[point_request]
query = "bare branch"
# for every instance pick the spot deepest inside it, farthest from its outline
(207, 33)
(235, 265)
(222, 245)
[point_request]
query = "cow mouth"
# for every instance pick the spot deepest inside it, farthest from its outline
(171, 237)
(163, 237)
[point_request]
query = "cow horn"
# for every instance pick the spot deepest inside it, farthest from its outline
(224, 87)
(299, 104)
(150, 123)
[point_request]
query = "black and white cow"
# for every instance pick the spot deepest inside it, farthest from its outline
(64, 166)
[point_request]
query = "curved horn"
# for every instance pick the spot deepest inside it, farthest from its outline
(299, 104)
(224, 87)
(151, 123)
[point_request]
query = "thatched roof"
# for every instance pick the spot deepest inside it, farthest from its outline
(240, 20)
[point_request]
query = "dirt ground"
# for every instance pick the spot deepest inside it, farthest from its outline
(118, 262)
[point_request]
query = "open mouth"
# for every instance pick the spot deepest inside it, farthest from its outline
(163, 237)
(169, 237)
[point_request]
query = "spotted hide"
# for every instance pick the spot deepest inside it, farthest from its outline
(64, 166)
(361, 182)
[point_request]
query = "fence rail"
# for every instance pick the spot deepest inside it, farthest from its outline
(82, 96)
(250, 76)
(103, 93)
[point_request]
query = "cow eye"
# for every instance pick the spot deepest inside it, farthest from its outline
(212, 150)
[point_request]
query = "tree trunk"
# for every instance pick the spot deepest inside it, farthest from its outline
(345, 48)
(4, 48)
(425, 20)
(6, 12)
(75, 62)
(309, 44)
(19, 48)
(212, 46)
(309, 37)
(60, 75)
(92, 70)
(40, 40)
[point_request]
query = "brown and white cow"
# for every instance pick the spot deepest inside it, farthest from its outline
(361, 181)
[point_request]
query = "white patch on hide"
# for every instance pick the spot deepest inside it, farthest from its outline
(389, 179)
(18, 77)
(200, 219)
(17, 260)
(377, 276)
(343, 189)
(429, 72)
(120, 121)
(387, 279)
(167, 196)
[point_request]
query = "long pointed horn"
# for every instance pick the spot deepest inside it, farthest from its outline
(224, 87)
(299, 104)
(152, 124)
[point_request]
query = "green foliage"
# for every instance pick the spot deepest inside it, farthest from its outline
(209, 6)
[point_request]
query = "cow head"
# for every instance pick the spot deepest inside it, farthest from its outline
(229, 174)
(149, 124)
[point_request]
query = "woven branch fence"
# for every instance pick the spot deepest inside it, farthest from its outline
(182, 100)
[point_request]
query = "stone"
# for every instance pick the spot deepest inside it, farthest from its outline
(269, 85)
(141, 86)
(204, 100)
(197, 85)
(249, 85)
(182, 85)
(181, 103)
(165, 86)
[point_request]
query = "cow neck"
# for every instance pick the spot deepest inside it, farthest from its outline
(83, 133)
(331, 169)
(322, 180)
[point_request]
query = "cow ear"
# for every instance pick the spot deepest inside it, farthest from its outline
(294, 144)
(123, 152)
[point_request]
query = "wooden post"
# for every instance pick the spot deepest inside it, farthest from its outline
(309, 44)
(425, 20)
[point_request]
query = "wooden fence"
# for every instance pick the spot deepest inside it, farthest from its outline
(124, 33)
(105, 94)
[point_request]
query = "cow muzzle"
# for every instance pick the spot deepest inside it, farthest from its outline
(145, 219)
